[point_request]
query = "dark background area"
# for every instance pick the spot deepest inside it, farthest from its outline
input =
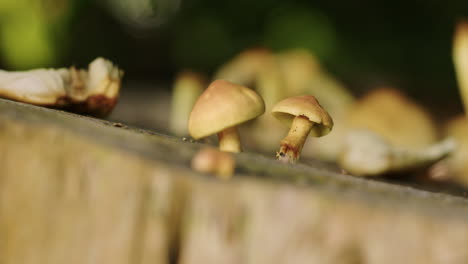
(365, 44)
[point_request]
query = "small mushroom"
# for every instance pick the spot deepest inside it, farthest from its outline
(394, 116)
(458, 127)
(187, 88)
(220, 109)
(258, 69)
(210, 160)
(366, 153)
(245, 67)
(304, 115)
(460, 59)
(299, 67)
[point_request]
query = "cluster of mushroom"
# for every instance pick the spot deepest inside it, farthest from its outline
(290, 73)
(224, 105)
(370, 138)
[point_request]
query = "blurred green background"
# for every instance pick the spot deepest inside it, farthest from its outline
(406, 44)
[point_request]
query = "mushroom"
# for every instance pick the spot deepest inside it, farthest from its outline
(258, 69)
(304, 115)
(210, 160)
(299, 67)
(460, 59)
(366, 153)
(394, 116)
(187, 88)
(458, 127)
(245, 67)
(220, 109)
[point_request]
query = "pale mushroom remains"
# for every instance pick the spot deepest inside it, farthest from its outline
(305, 116)
(220, 108)
(366, 153)
(93, 91)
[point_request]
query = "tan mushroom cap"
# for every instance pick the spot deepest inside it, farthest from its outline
(223, 105)
(306, 106)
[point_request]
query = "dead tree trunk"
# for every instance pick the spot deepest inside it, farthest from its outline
(80, 190)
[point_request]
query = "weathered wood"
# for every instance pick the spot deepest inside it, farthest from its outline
(80, 190)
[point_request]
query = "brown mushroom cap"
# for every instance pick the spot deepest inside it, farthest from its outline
(394, 116)
(244, 68)
(223, 105)
(306, 106)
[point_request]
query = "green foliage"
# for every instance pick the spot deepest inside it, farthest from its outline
(32, 32)
(25, 42)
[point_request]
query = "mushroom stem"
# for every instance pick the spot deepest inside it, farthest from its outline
(291, 145)
(229, 140)
(187, 89)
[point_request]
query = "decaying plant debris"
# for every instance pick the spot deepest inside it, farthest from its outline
(366, 153)
(93, 91)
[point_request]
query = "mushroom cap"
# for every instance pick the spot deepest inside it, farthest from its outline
(306, 106)
(244, 68)
(394, 116)
(222, 105)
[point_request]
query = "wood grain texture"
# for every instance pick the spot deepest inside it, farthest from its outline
(79, 190)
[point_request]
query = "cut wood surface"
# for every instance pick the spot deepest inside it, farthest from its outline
(79, 190)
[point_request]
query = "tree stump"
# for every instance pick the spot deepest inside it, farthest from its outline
(75, 189)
